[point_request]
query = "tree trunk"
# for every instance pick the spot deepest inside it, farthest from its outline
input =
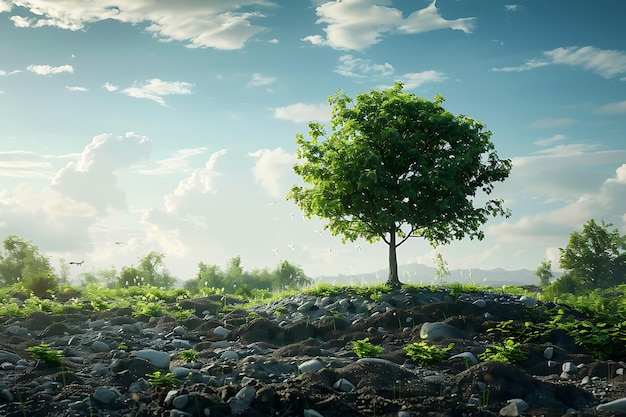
(393, 279)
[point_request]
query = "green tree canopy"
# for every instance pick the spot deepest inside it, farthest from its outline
(595, 256)
(397, 166)
(21, 260)
(544, 272)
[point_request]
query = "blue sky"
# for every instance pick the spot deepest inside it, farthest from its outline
(169, 126)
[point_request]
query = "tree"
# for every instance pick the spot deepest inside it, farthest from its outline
(595, 256)
(21, 260)
(544, 272)
(290, 276)
(397, 166)
(152, 269)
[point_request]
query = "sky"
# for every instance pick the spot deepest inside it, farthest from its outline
(150, 125)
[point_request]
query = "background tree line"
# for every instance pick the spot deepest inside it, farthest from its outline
(594, 258)
(21, 262)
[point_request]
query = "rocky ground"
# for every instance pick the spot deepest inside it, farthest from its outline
(294, 357)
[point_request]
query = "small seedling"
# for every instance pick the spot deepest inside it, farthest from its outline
(45, 354)
(122, 346)
(364, 349)
(509, 352)
(423, 354)
(159, 379)
(188, 356)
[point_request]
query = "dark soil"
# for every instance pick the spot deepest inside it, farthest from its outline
(393, 388)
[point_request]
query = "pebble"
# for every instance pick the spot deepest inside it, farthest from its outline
(311, 365)
(157, 358)
(221, 331)
(618, 405)
(241, 400)
(344, 385)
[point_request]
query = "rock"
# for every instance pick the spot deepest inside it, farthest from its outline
(99, 346)
(307, 412)
(509, 410)
(480, 303)
(343, 385)
(156, 358)
(439, 330)
(9, 356)
(469, 356)
(241, 400)
(311, 365)
(96, 324)
(106, 395)
(618, 405)
(229, 355)
(569, 367)
(221, 331)
(528, 301)
(548, 352)
(521, 404)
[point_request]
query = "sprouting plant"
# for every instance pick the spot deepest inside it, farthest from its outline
(509, 351)
(253, 315)
(365, 349)
(159, 379)
(484, 396)
(424, 354)
(280, 310)
(188, 355)
(122, 346)
(43, 353)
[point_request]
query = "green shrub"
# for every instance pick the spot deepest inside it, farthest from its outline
(509, 352)
(422, 354)
(165, 380)
(364, 349)
(45, 354)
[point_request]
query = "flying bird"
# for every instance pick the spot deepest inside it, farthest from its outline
(275, 251)
(292, 246)
(77, 263)
(120, 243)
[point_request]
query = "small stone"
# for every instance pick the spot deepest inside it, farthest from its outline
(96, 324)
(569, 367)
(311, 365)
(469, 356)
(229, 354)
(307, 412)
(180, 401)
(480, 303)
(404, 413)
(221, 331)
(344, 385)
(169, 397)
(106, 395)
(509, 410)
(156, 358)
(179, 330)
(618, 405)
(552, 364)
(241, 400)
(548, 352)
(528, 301)
(99, 347)
(434, 378)
(521, 404)
(139, 385)
(181, 344)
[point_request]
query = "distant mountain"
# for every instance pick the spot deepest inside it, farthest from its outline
(422, 274)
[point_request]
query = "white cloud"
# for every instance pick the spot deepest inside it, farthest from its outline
(5, 6)
(550, 123)
(351, 66)
(214, 24)
(271, 168)
(552, 227)
(417, 79)
(180, 162)
(49, 70)
(527, 66)
(201, 181)
(76, 89)
(23, 164)
(303, 113)
(512, 7)
(358, 24)
(259, 80)
(98, 164)
(612, 108)
(606, 63)
(58, 223)
(110, 87)
(550, 140)
(156, 90)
